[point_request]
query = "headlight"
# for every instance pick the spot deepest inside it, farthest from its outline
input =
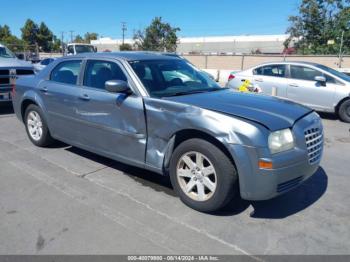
(281, 140)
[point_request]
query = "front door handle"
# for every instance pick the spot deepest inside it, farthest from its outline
(294, 84)
(258, 80)
(84, 97)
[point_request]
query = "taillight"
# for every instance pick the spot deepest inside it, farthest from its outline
(230, 77)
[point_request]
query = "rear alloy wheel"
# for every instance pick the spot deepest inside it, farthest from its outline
(344, 111)
(36, 126)
(202, 175)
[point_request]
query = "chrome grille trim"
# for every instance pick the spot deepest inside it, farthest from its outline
(314, 143)
(8, 75)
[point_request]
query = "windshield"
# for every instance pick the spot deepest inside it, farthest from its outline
(335, 72)
(6, 53)
(172, 77)
(84, 49)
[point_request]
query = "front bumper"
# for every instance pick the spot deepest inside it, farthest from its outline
(290, 168)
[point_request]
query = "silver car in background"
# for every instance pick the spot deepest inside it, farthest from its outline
(314, 85)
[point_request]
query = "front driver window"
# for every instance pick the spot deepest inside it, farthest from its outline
(66, 72)
(304, 73)
(98, 72)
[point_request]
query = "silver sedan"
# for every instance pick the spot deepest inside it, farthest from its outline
(317, 86)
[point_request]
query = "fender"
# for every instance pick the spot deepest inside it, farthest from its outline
(34, 97)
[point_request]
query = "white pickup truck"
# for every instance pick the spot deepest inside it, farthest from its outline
(78, 48)
(10, 68)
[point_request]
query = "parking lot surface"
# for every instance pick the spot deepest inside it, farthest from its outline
(64, 200)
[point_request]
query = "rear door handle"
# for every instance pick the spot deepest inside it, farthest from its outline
(294, 85)
(84, 97)
(44, 90)
(259, 80)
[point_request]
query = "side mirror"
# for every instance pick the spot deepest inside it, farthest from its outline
(117, 86)
(321, 79)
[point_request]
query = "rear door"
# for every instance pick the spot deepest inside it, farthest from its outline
(271, 79)
(111, 123)
(303, 88)
(60, 94)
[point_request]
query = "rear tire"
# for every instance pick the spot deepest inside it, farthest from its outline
(202, 175)
(344, 111)
(36, 126)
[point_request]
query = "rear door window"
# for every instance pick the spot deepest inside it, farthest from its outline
(66, 72)
(271, 70)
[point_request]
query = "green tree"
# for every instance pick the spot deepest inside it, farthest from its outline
(30, 32)
(79, 39)
(45, 38)
(318, 22)
(11, 41)
(158, 36)
(57, 44)
(4, 32)
(90, 36)
(125, 47)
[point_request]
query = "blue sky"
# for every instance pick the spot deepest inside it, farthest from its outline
(194, 17)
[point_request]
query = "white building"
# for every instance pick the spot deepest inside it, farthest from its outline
(270, 44)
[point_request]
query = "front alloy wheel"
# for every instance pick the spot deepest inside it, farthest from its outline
(203, 176)
(196, 176)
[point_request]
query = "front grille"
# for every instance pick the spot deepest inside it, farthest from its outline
(4, 72)
(314, 144)
(4, 80)
(24, 72)
(285, 186)
(4, 77)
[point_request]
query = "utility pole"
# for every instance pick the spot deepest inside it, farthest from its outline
(71, 36)
(62, 44)
(124, 30)
(341, 49)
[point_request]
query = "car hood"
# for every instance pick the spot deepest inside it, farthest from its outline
(14, 63)
(273, 113)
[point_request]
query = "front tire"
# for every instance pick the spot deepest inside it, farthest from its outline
(36, 126)
(202, 175)
(344, 111)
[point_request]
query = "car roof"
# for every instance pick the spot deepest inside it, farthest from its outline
(289, 62)
(126, 55)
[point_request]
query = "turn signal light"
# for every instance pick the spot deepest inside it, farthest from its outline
(265, 164)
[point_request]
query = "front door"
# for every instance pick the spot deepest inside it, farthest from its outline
(304, 89)
(112, 123)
